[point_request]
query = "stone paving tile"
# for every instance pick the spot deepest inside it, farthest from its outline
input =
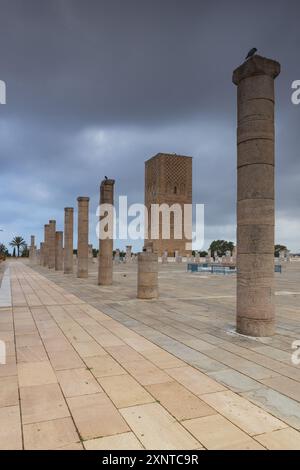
(31, 354)
(76, 382)
(88, 348)
(126, 441)
(287, 386)
(72, 330)
(163, 359)
(157, 429)
(62, 360)
(28, 340)
(9, 395)
(124, 391)
(284, 439)
(217, 433)
(244, 366)
(54, 434)
(195, 381)
(104, 366)
(181, 403)
(236, 381)
(9, 369)
(95, 416)
(73, 446)
(10, 428)
(35, 373)
(278, 404)
(274, 353)
(42, 403)
(244, 414)
(124, 354)
(145, 372)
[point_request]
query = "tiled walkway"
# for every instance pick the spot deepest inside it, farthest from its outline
(76, 378)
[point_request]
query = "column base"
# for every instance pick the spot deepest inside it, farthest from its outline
(254, 327)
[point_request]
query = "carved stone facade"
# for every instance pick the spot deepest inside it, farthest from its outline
(168, 180)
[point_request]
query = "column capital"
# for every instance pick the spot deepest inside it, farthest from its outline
(83, 198)
(256, 65)
(69, 209)
(108, 182)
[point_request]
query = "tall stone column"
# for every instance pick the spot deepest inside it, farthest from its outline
(147, 277)
(255, 196)
(32, 249)
(46, 247)
(105, 266)
(59, 251)
(68, 240)
(51, 244)
(41, 253)
(83, 237)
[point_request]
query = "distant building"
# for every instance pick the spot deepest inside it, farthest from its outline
(168, 179)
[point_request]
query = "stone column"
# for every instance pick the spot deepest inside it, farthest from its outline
(105, 261)
(41, 253)
(59, 251)
(83, 237)
(46, 247)
(32, 249)
(255, 196)
(68, 240)
(147, 278)
(51, 244)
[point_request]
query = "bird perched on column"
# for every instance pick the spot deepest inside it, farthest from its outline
(251, 53)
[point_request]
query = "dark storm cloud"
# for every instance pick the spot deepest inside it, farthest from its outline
(98, 87)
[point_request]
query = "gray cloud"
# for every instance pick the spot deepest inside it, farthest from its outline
(98, 87)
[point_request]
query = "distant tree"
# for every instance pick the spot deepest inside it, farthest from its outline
(221, 246)
(18, 242)
(201, 253)
(277, 249)
(24, 251)
(3, 251)
(14, 252)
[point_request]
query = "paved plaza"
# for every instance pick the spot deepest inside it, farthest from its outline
(93, 367)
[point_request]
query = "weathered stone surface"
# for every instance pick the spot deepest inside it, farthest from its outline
(59, 252)
(255, 195)
(83, 237)
(105, 261)
(147, 278)
(68, 240)
(46, 245)
(51, 244)
(168, 180)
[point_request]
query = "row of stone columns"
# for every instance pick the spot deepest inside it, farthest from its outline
(56, 251)
(255, 210)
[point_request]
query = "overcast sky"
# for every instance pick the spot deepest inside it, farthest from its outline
(97, 87)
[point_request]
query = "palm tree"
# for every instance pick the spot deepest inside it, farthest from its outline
(18, 242)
